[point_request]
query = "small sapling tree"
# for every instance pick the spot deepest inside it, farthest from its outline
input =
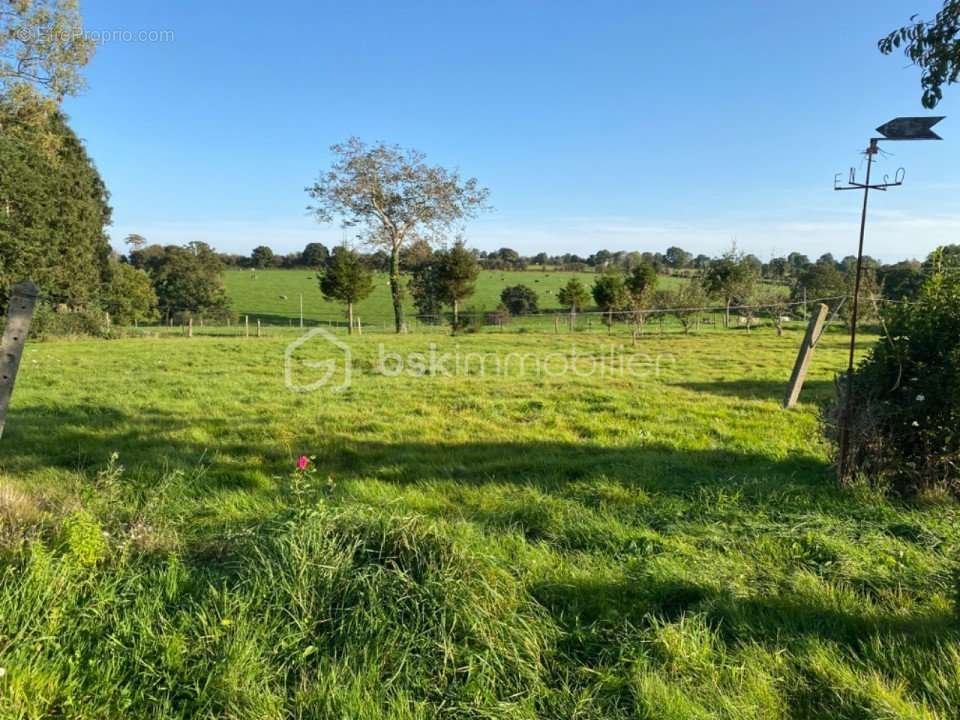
(457, 272)
(573, 296)
(689, 301)
(641, 284)
(609, 293)
(345, 279)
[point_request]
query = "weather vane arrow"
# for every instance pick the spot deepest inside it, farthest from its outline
(910, 128)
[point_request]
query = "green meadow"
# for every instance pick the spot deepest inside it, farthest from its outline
(273, 296)
(601, 531)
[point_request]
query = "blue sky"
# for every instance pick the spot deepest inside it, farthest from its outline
(624, 125)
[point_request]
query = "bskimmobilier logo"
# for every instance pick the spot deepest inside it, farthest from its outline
(336, 370)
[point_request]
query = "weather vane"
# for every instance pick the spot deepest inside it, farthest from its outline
(901, 128)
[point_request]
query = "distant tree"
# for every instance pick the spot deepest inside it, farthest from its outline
(731, 278)
(394, 196)
(457, 272)
(849, 263)
(944, 258)
(773, 303)
(135, 241)
(755, 265)
(689, 300)
(677, 257)
(314, 255)
(701, 262)
(609, 293)
(418, 252)
(777, 268)
(261, 257)
(508, 255)
(142, 257)
(641, 285)
(821, 281)
(187, 279)
(344, 278)
(798, 262)
(377, 261)
(574, 297)
(828, 259)
(541, 259)
(520, 300)
(902, 280)
(600, 259)
(289, 260)
(932, 45)
(129, 295)
(629, 260)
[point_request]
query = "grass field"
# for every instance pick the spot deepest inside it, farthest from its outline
(661, 543)
(274, 295)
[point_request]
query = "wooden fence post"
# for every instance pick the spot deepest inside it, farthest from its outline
(258, 327)
(19, 315)
(190, 327)
(246, 326)
(803, 357)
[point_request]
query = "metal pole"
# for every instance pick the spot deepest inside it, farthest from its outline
(845, 422)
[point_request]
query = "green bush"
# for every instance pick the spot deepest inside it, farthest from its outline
(905, 422)
(49, 322)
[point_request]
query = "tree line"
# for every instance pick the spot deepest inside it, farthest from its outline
(54, 208)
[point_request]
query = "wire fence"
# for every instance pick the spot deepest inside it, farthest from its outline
(636, 321)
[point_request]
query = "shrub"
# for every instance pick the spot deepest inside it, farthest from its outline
(905, 421)
(520, 300)
(48, 322)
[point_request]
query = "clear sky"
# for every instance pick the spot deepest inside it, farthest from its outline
(619, 125)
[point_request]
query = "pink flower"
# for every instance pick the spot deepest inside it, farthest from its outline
(302, 462)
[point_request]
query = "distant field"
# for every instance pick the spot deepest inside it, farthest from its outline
(274, 295)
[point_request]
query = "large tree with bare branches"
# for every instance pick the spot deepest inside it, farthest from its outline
(393, 196)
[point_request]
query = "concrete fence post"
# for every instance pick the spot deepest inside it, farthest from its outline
(19, 316)
(803, 357)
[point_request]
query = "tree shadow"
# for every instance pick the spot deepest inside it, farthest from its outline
(82, 439)
(233, 452)
(607, 607)
(815, 391)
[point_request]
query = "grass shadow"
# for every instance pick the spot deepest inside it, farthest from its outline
(815, 391)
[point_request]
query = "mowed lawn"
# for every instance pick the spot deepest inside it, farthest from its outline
(655, 540)
(273, 296)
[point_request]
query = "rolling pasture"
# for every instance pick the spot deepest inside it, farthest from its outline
(274, 295)
(666, 543)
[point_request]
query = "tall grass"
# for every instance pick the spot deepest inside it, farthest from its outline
(671, 546)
